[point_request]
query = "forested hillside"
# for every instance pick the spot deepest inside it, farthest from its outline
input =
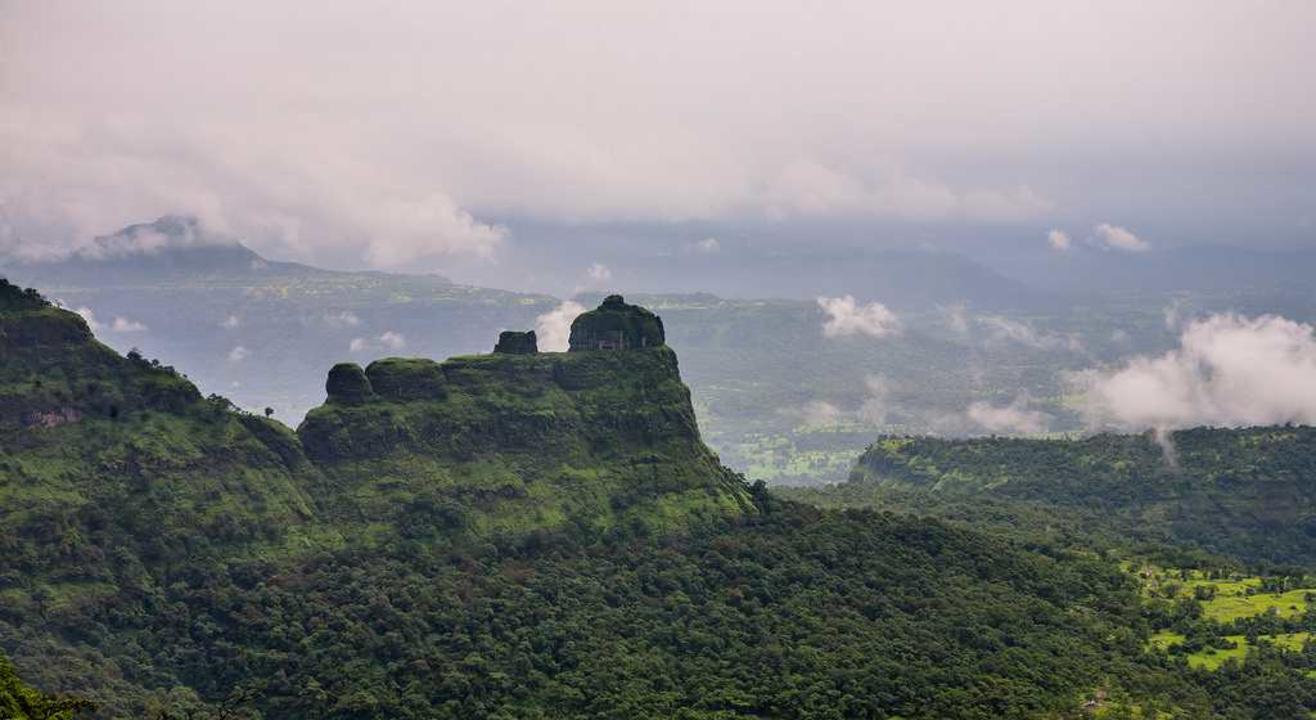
(509, 536)
(1248, 493)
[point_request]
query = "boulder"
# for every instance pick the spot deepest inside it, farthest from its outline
(348, 384)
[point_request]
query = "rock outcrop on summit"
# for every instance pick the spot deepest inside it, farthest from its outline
(347, 383)
(616, 325)
(513, 342)
(523, 439)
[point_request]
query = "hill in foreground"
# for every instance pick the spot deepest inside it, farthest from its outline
(516, 535)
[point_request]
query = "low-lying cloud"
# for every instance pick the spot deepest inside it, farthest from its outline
(1114, 237)
(553, 328)
(1001, 329)
(1013, 419)
(119, 324)
(387, 341)
(877, 400)
(124, 325)
(846, 317)
(1229, 370)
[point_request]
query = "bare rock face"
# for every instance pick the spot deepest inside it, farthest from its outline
(512, 342)
(616, 325)
(348, 384)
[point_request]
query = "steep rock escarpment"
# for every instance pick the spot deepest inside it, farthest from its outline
(522, 440)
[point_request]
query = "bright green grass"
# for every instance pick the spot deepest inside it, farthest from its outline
(1227, 608)
(1293, 642)
(1212, 659)
(1164, 640)
(1235, 597)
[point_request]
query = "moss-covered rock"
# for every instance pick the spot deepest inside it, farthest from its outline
(513, 342)
(616, 325)
(348, 384)
(406, 379)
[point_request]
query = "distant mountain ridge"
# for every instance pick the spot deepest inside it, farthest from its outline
(171, 248)
(1085, 271)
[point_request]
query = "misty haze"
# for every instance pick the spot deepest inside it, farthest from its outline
(648, 360)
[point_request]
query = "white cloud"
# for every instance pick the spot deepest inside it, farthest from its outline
(877, 400)
(806, 186)
(393, 136)
(238, 354)
(599, 273)
(1013, 419)
(553, 328)
(873, 410)
(707, 246)
(1059, 240)
(342, 319)
(387, 341)
(1173, 314)
(89, 317)
(846, 317)
(230, 322)
(1002, 329)
(124, 325)
(173, 232)
(957, 318)
(1228, 370)
(1118, 238)
(819, 413)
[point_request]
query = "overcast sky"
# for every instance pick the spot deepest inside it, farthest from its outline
(399, 134)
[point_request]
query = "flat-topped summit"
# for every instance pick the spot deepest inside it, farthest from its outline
(518, 438)
(616, 325)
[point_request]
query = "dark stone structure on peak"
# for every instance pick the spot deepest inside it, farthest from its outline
(348, 384)
(512, 342)
(616, 325)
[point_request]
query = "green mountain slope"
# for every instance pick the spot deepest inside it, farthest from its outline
(1248, 493)
(484, 443)
(107, 458)
(506, 536)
